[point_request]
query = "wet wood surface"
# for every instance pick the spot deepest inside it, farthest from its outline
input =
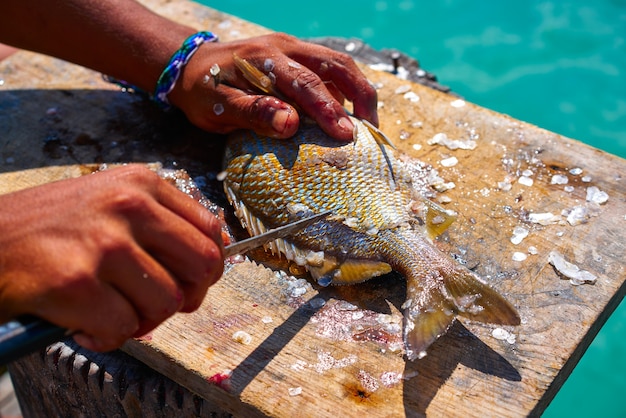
(321, 352)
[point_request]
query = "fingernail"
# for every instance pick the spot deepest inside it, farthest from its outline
(281, 120)
(346, 124)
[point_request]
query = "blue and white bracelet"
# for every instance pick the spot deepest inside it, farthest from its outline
(172, 71)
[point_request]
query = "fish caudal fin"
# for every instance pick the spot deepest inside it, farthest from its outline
(477, 301)
(426, 318)
(433, 302)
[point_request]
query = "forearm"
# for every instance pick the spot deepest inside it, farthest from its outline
(125, 40)
(121, 38)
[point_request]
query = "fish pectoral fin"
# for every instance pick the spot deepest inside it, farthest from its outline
(476, 300)
(427, 316)
(350, 271)
(354, 271)
(437, 219)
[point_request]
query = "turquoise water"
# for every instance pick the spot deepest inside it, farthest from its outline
(560, 65)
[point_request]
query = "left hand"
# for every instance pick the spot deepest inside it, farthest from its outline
(315, 78)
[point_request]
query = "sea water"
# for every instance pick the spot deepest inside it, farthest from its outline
(560, 65)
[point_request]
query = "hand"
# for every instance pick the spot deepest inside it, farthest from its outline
(110, 255)
(313, 77)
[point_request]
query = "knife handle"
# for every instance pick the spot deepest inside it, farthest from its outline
(25, 335)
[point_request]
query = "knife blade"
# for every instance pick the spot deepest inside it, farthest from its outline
(242, 246)
(28, 333)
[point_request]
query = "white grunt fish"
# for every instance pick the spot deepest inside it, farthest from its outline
(379, 223)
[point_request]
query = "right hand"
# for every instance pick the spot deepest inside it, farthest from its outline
(109, 255)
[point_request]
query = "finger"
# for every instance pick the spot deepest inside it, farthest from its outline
(345, 74)
(186, 239)
(269, 116)
(334, 90)
(107, 318)
(309, 91)
(194, 261)
(190, 210)
(151, 290)
(111, 322)
(231, 108)
(177, 231)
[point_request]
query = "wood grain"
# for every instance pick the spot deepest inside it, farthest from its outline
(310, 360)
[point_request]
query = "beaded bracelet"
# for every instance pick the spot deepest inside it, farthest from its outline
(172, 71)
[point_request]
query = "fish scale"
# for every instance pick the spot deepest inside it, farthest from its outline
(378, 223)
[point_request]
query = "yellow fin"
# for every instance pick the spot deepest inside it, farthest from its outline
(255, 76)
(477, 301)
(426, 318)
(356, 271)
(435, 299)
(259, 80)
(350, 271)
(437, 219)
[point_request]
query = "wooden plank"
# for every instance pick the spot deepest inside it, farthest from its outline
(305, 359)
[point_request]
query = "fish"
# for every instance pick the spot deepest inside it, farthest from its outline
(378, 223)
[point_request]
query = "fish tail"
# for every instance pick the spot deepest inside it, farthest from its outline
(433, 302)
(476, 300)
(425, 322)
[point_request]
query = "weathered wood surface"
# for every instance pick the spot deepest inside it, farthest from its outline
(337, 359)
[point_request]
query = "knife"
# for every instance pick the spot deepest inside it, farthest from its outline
(28, 333)
(242, 246)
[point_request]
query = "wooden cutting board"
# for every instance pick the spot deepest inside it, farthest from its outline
(268, 343)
